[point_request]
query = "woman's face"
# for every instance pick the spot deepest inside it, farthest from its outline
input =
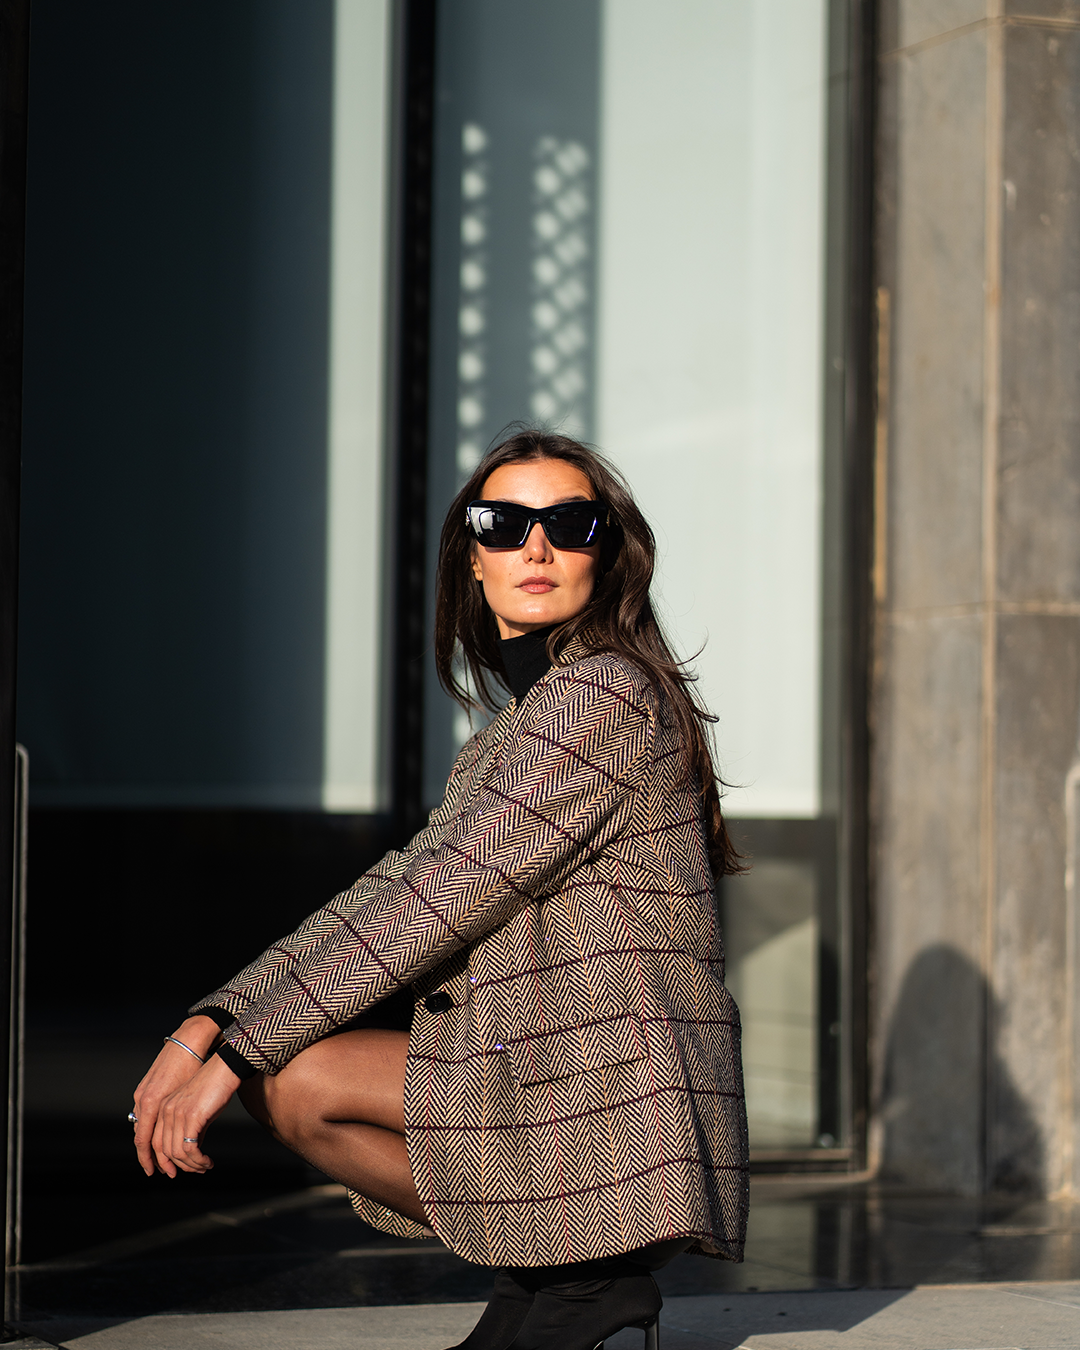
(536, 585)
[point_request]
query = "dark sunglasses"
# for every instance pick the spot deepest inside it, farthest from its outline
(507, 525)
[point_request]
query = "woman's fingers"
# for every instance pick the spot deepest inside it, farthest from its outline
(170, 1151)
(171, 1069)
(162, 1160)
(185, 1116)
(182, 1133)
(144, 1134)
(194, 1160)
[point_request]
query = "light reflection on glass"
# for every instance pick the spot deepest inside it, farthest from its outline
(560, 290)
(472, 311)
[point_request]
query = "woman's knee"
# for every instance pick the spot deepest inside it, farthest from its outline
(262, 1097)
(354, 1077)
(294, 1101)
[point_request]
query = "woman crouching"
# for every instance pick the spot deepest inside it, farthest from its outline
(567, 1106)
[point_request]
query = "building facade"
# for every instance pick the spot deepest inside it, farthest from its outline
(803, 270)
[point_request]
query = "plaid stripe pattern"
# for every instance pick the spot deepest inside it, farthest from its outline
(582, 1093)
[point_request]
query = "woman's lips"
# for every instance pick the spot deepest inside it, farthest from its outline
(537, 585)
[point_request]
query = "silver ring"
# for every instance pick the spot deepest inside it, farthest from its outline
(133, 1118)
(190, 1141)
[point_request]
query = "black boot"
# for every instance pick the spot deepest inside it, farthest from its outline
(506, 1310)
(580, 1313)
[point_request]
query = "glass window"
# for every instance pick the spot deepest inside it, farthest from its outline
(629, 246)
(202, 543)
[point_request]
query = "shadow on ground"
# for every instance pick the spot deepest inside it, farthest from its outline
(305, 1249)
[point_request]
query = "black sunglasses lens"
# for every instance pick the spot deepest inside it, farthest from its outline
(572, 526)
(499, 526)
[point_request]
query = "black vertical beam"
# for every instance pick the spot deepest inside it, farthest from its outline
(410, 341)
(858, 470)
(16, 1048)
(14, 57)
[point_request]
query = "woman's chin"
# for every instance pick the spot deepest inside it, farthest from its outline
(534, 619)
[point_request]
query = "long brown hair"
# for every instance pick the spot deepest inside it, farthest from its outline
(618, 618)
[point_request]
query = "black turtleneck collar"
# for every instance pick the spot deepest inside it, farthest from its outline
(525, 660)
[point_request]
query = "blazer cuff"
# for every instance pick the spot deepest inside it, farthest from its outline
(221, 1016)
(235, 1061)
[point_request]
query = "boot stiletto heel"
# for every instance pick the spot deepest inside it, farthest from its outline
(651, 1328)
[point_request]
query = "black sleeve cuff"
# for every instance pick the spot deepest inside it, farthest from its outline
(236, 1061)
(219, 1015)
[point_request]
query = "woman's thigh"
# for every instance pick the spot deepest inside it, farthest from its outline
(355, 1076)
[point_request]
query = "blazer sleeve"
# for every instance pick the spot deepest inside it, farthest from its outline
(245, 987)
(565, 786)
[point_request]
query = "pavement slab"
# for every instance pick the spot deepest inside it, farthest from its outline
(1030, 1316)
(389, 1328)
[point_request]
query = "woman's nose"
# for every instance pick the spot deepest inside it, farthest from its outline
(537, 548)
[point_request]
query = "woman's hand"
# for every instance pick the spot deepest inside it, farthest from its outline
(184, 1116)
(171, 1070)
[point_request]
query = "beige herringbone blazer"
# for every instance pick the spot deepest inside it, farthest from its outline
(576, 1089)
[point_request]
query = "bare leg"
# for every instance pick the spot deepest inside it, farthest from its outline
(340, 1105)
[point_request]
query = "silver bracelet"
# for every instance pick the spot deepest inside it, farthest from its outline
(183, 1047)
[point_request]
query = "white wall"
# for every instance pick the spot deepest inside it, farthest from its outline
(356, 412)
(709, 351)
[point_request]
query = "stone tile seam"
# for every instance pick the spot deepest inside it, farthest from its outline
(1035, 1298)
(995, 1286)
(1057, 609)
(980, 25)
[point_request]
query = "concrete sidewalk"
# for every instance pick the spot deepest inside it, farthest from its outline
(1036, 1316)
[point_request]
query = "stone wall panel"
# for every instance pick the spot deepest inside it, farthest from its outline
(1067, 10)
(1038, 702)
(904, 23)
(938, 302)
(929, 995)
(1039, 492)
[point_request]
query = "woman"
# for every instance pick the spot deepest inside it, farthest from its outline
(567, 1106)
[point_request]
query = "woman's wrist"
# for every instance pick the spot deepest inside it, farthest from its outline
(220, 1070)
(229, 1055)
(201, 1035)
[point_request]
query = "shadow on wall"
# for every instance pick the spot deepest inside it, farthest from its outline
(937, 1077)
